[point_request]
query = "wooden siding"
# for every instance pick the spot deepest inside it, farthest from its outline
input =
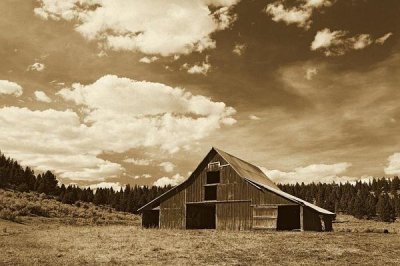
(311, 220)
(233, 216)
(231, 187)
(195, 189)
(265, 217)
(173, 211)
(230, 215)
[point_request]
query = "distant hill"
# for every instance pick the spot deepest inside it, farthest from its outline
(14, 176)
(21, 206)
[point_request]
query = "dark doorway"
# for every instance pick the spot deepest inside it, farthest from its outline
(150, 218)
(213, 177)
(210, 192)
(200, 216)
(288, 217)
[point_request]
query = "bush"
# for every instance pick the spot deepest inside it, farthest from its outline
(23, 187)
(37, 210)
(7, 214)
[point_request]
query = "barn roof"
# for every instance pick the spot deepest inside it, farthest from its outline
(293, 198)
(248, 172)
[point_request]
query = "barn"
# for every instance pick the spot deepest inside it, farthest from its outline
(227, 193)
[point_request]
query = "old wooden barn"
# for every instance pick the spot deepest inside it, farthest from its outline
(225, 192)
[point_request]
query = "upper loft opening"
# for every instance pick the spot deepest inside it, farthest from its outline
(213, 177)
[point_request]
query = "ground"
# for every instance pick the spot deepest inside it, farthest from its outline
(41, 241)
(36, 230)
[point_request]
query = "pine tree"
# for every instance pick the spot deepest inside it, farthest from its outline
(384, 208)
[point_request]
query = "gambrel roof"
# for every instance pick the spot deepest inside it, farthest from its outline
(249, 172)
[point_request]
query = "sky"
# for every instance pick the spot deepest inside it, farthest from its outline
(111, 92)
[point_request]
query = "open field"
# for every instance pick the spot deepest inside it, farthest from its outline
(43, 231)
(41, 241)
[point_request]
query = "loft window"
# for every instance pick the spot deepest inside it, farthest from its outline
(210, 193)
(213, 177)
(214, 166)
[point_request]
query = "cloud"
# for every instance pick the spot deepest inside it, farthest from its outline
(324, 173)
(384, 38)
(125, 24)
(167, 166)
(115, 115)
(165, 181)
(156, 114)
(115, 185)
(254, 117)
(393, 167)
(299, 15)
(310, 73)
(10, 88)
(148, 60)
(335, 43)
(239, 49)
(36, 67)
(145, 176)
(134, 161)
(42, 97)
(202, 68)
(54, 140)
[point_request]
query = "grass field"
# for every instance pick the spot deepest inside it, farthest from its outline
(38, 240)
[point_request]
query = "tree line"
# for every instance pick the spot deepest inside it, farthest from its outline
(14, 176)
(378, 198)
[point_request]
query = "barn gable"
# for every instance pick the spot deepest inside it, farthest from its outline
(244, 169)
(235, 194)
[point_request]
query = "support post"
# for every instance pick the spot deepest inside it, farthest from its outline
(301, 219)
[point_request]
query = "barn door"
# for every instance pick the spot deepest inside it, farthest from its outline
(265, 217)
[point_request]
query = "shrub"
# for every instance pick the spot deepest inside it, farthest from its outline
(36, 209)
(23, 187)
(7, 214)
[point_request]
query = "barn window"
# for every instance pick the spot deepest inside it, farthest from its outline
(214, 166)
(213, 177)
(210, 193)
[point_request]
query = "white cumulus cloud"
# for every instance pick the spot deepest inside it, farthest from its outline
(201, 68)
(10, 88)
(310, 73)
(299, 15)
(54, 140)
(119, 114)
(254, 117)
(324, 173)
(239, 49)
(148, 60)
(165, 181)
(141, 162)
(384, 38)
(393, 167)
(125, 24)
(36, 67)
(42, 97)
(335, 43)
(116, 186)
(167, 166)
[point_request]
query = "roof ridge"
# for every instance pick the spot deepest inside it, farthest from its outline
(258, 176)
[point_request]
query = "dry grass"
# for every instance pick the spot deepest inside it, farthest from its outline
(347, 223)
(55, 244)
(15, 206)
(49, 241)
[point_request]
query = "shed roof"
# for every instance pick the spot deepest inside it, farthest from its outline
(249, 173)
(293, 198)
